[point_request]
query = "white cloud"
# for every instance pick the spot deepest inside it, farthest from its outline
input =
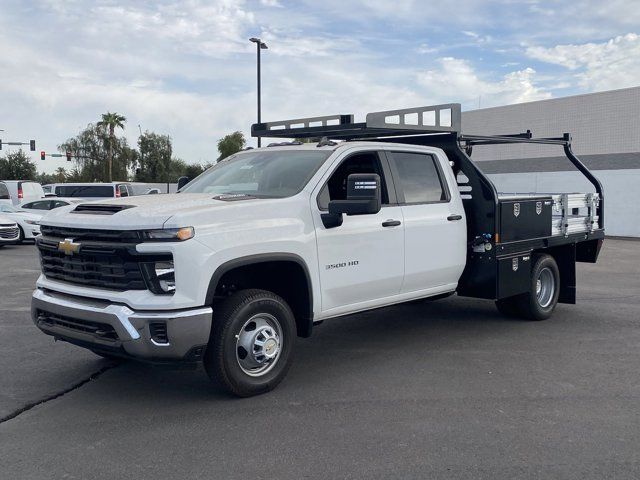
(597, 66)
(424, 48)
(186, 67)
(457, 79)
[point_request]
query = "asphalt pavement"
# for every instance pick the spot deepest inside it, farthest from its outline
(446, 389)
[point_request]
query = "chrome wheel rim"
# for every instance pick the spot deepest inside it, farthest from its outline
(545, 287)
(258, 344)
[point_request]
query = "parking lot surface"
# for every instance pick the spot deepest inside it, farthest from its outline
(447, 389)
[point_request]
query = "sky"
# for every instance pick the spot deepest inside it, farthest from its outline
(187, 69)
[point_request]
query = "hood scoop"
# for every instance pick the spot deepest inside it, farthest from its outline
(100, 209)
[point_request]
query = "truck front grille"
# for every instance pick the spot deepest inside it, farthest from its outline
(101, 330)
(109, 269)
(101, 264)
(9, 233)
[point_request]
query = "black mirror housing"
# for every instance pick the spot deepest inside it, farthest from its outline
(363, 196)
(182, 181)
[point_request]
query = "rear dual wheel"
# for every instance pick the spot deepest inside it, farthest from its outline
(542, 298)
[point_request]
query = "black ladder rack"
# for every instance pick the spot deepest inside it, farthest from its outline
(434, 125)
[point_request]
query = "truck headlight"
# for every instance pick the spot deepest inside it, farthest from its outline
(160, 276)
(169, 234)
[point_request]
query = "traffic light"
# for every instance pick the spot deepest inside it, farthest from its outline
(68, 156)
(32, 145)
(42, 155)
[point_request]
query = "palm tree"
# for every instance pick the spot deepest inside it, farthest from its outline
(111, 121)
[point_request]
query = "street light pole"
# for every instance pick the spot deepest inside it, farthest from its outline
(260, 45)
(141, 149)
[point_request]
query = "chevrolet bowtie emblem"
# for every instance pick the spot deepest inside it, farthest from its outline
(68, 247)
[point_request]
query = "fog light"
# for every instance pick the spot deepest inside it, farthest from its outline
(166, 276)
(160, 276)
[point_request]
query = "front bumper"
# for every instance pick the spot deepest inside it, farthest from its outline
(119, 330)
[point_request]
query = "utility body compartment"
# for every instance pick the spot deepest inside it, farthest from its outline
(524, 217)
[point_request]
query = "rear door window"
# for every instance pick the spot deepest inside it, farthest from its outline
(4, 192)
(418, 178)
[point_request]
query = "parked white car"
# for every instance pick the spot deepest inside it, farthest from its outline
(9, 231)
(28, 227)
(20, 191)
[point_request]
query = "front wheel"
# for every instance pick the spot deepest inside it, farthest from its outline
(251, 345)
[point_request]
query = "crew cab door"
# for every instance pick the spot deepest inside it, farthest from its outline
(361, 262)
(434, 221)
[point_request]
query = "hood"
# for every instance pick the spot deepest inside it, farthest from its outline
(4, 220)
(136, 212)
(29, 215)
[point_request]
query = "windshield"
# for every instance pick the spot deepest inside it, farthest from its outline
(7, 208)
(89, 191)
(262, 174)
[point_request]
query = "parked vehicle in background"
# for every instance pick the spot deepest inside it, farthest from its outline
(28, 227)
(92, 190)
(49, 203)
(144, 188)
(19, 191)
(9, 231)
(152, 191)
(48, 189)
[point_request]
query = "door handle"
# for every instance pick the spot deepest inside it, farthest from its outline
(391, 223)
(453, 218)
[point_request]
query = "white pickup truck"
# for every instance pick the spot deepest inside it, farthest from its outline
(272, 241)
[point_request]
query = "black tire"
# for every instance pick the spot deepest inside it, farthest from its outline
(529, 305)
(233, 318)
(20, 236)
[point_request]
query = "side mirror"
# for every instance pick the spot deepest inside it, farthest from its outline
(182, 181)
(364, 197)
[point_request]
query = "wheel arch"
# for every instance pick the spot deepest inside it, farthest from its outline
(251, 271)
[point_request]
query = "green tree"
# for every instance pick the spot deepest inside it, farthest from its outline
(17, 166)
(91, 149)
(60, 176)
(230, 144)
(45, 178)
(111, 121)
(194, 169)
(155, 163)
